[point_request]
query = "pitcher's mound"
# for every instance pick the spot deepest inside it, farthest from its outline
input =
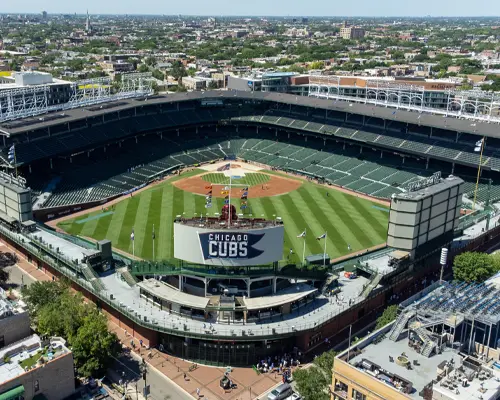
(275, 186)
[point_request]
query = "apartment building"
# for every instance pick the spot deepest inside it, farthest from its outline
(35, 368)
(351, 32)
(14, 320)
(442, 346)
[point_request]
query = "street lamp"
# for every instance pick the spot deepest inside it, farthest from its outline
(143, 367)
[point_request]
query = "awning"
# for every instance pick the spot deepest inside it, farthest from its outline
(13, 393)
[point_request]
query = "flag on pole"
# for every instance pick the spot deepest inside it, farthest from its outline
(132, 236)
(323, 236)
(154, 236)
(303, 234)
(479, 144)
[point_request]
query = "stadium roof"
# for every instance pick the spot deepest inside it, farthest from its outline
(426, 119)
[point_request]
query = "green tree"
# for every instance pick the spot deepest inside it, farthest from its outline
(143, 68)
(325, 363)
(212, 85)
(312, 383)
(474, 266)
(158, 74)
(94, 346)
(150, 61)
(40, 294)
(59, 312)
(52, 321)
(387, 316)
(178, 70)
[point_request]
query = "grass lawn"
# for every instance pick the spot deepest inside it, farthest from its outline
(349, 220)
(29, 362)
(250, 179)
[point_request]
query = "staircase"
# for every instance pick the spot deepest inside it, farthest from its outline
(88, 272)
(92, 277)
(429, 344)
(127, 276)
(399, 325)
(371, 285)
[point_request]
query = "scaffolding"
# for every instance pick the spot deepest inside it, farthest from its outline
(23, 102)
(30, 101)
(475, 105)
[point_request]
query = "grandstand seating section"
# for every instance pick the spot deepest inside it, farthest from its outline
(151, 156)
(139, 163)
(393, 136)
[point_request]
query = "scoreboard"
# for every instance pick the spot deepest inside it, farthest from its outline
(228, 247)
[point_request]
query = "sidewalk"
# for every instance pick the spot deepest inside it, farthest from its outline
(30, 269)
(249, 385)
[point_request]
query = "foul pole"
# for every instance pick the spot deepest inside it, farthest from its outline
(483, 142)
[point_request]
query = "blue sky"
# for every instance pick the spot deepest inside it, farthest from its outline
(262, 7)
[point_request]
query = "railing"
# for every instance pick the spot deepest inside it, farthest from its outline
(26, 243)
(473, 218)
(179, 268)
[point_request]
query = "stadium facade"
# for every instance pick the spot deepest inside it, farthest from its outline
(87, 156)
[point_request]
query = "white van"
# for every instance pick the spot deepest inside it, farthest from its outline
(281, 392)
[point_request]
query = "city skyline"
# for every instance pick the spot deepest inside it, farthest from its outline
(362, 8)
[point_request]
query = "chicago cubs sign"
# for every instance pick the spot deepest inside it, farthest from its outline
(230, 245)
(236, 247)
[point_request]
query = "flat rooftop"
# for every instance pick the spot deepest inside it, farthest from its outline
(286, 296)
(9, 307)
(480, 128)
(431, 189)
(169, 293)
(420, 375)
(70, 249)
(25, 353)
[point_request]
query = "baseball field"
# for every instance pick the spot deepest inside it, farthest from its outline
(352, 223)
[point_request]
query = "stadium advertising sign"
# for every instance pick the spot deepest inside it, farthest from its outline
(236, 247)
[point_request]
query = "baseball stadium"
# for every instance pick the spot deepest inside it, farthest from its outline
(231, 226)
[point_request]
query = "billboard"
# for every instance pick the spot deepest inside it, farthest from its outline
(228, 247)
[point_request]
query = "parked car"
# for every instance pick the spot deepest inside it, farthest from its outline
(282, 392)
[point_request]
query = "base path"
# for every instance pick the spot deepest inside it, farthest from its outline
(275, 186)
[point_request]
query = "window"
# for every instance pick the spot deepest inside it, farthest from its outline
(357, 395)
(36, 386)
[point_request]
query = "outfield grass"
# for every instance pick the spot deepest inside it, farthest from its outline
(349, 220)
(250, 179)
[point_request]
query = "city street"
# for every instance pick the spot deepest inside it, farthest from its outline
(127, 368)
